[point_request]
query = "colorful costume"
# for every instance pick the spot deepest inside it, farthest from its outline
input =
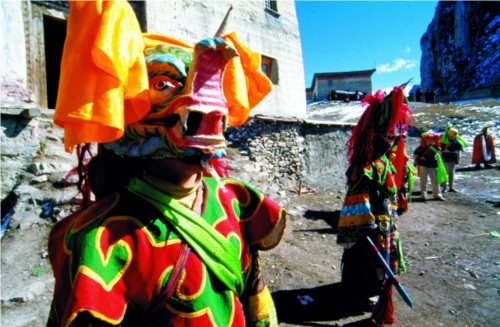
(123, 249)
(483, 150)
(430, 165)
(370, 205)
(404, 176)
(149, 251)
(452, 144)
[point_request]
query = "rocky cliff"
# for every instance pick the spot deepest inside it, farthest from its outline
(461, 48)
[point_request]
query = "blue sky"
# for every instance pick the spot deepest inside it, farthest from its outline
(340, 36)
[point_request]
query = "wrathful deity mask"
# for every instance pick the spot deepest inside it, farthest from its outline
(188, 109)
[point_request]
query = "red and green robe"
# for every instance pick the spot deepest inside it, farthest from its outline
(113, 259)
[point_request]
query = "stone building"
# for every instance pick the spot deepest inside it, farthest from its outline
(324, 83)
(33, 34)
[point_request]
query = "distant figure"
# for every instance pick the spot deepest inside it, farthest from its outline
(418, 95)
(452, 144)
(484, 149)
(430, 165)
(429, 96)
(358, 95)
(334, 96)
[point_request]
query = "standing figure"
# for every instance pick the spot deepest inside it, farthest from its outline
(452, 144)
(167, 242)
(430, 165)
(370, 206)
(333, 95)
(418, 96)
(483, 151)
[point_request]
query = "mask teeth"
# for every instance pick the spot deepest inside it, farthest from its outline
(184, 114)
(213, 172)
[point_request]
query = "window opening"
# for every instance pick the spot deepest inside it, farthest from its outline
(54, 34)
(272, 7)
(269, 67)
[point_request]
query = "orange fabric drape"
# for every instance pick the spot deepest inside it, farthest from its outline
(153, 40)
(245, 85)
(104, 82)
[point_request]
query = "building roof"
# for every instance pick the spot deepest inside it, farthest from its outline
(338, 75)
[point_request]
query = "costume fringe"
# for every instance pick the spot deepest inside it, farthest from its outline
(383, 314)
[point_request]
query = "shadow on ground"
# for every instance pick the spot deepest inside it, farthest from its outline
(321, 305)
(311, 307)
(474, 168)
(330, 217)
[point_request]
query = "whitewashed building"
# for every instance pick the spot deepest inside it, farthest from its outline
(323, 84)
(33, 34)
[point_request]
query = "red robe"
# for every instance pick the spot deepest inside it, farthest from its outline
(477, 153)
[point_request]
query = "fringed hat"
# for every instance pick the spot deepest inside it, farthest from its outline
(384, 115)
(484, 130)
(430, 135)
(452, 132)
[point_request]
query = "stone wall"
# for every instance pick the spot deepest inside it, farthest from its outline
(34, 170)
(271, 154)
(325, 158)
(293, 152)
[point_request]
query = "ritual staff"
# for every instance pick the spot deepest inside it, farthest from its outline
(451, 146)
(483, 150)
(370, 207)
(166, 242)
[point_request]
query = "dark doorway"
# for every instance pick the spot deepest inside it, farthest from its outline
(54, 31)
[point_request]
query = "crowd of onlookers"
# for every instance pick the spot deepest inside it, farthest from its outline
(346, 96)
(428, 96)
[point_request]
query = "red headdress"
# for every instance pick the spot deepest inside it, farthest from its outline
(387, 115)
(430, 135)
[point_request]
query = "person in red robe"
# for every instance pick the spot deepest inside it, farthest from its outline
(483, 150)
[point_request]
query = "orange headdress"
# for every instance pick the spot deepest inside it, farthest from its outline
(104, 84)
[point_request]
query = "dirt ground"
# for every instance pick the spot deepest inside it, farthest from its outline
(452, 262)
